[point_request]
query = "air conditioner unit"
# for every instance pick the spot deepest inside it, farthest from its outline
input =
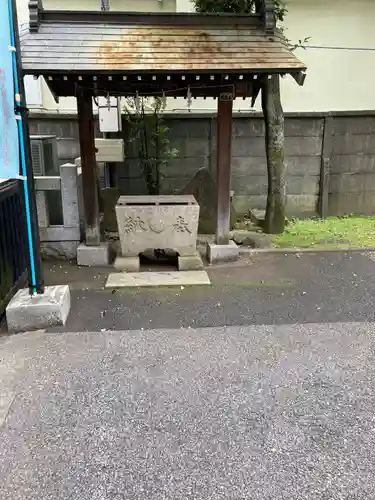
(44, 155)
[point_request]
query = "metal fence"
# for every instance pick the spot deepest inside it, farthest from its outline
(13, 263)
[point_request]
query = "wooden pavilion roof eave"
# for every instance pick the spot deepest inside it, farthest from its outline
(63, 83)
(243, 85)
(178, 72)
(146, 18)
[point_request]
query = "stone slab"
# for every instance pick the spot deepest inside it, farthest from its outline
(129, 264)
(93, 256)
(190, 262)
(157, 222)
(151, 279)
(27, 312)
(222, 253)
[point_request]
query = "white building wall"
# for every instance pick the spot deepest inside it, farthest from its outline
(68, 104)
(337, 80)
(120, 5)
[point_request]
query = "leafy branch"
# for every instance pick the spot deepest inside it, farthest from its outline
(148, 131)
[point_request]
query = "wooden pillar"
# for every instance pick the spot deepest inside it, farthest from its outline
(223, 172)
(86, 126)
(276, 168)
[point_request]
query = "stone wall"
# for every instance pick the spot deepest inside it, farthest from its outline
(348, 146)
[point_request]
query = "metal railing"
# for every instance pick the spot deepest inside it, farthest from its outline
(13, 261)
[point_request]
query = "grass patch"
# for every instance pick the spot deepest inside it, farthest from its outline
(333, 232)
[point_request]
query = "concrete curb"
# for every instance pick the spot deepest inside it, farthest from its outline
(250, 251)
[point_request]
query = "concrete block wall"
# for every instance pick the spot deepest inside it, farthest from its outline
(352, 158)
(64, 127)
(352, 171)
(303, 142)
(195, 139)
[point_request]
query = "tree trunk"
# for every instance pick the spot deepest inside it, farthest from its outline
(274, 125)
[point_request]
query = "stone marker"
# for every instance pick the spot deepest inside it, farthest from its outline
(109, 195)
(203, 187)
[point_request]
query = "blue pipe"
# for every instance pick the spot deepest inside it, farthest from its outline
(23, 155)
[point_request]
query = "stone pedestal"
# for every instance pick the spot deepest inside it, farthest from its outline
(190, 262)
(222, 253)
(157, 222)
(128, 264)
(93, 256)
(27, 312)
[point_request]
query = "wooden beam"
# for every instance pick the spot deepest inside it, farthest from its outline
(325, 167)
(88, 162)
(224, 157)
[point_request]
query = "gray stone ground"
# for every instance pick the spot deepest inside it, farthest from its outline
(173, 405)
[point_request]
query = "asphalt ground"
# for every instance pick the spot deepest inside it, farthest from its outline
(264, 289)
(259, 386)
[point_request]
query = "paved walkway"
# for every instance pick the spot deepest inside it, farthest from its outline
(267, 289)
(279, 404)
(259, 412)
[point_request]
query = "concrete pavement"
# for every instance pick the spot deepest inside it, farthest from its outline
(261, 412)
(266, 289)
(146, 395)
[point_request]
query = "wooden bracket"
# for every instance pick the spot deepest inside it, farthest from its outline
(256, 89)
(299, 77)
(55, 96)
(35, 8)
(269, 17)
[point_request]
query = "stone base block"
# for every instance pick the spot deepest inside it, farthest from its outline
(222, 253)
(93, 256)
(27, 312)
(190, 262)
(128, 264)
(59, 250)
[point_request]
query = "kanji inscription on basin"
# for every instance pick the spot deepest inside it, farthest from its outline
(150, 222)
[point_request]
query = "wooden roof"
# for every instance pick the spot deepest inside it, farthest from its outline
(239, 44)
(128, 52)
